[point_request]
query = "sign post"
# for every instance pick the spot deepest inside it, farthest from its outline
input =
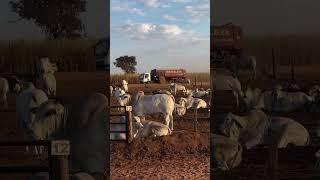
(59, 151)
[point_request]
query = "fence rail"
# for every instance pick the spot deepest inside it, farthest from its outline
(58, 152)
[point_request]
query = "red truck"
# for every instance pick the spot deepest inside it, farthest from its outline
(167, 74)
(225, 41)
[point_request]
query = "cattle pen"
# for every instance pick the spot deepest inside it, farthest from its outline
(58, 152)
(266, 161)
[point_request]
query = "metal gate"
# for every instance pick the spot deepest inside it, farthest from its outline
(127, 123)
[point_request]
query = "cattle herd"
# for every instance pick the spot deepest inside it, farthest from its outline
(254, 123)
(43, 116)
(163, 101)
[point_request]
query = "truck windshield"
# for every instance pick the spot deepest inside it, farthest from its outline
(146, 75)
(141, 76)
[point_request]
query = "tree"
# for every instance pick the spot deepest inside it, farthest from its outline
(126, 63)
(56, 18)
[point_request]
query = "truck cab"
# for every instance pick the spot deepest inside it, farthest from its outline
(145, 78)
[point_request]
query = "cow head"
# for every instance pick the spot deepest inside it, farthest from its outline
(137, 121)
(46, 66)
(124, 82)
(137, 126)
(48, 120)
(231, 126)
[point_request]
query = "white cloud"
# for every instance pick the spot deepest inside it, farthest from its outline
(170, 18)
(151, 3)
(149, 32)
(116, 6)
(198, 12)
(162, 3)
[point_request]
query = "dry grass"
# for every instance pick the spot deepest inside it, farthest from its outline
(133, 78)
(72, 55)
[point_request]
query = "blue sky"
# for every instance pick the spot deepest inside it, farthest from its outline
(161, 33)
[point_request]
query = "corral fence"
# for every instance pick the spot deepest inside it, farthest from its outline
(128, 123)
(58, 152)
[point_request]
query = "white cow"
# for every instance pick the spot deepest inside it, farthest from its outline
(118, 92)
(256, 128)
(290, 101)
(44, 66)
(4, 89)
(228, 82)
(314, 91)
(174, 87)
(144, 128)
(180, 109)
(48, 83)
(276, 100)
(199, 93)
(194, 103)
(83, 123)
(124, 99)
(124, 85)
(111, 90)
(150, 104)
(227, 153)
(234, 64)
(27, 100)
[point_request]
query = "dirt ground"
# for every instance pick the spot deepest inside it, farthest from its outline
(293, 162)
(183, 155)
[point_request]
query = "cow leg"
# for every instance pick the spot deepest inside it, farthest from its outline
(27, 149)
(171, 122)
(282, 137)
(5, 101)
(237, 98)
(36, 150)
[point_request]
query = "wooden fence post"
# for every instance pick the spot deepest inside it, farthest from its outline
(273, 64)
(273, 160)
(129, 124)
(59, 165)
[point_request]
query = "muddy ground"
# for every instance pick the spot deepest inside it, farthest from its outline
(183, 155)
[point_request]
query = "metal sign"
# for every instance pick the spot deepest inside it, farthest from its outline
(60, 148)
(129, 108)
